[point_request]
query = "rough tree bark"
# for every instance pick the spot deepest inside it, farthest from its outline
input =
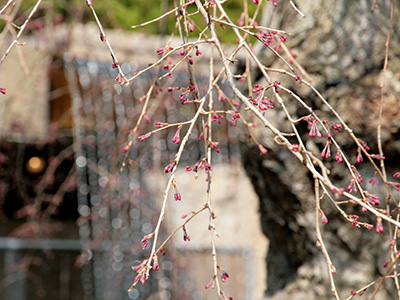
(341, 44)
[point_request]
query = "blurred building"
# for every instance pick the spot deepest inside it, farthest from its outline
(72, 221)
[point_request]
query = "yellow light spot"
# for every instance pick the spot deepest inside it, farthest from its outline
(35, 165)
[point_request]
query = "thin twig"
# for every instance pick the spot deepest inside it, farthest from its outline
(21, 30)
(331, 267)
(5, 6)
(296, 9)
(105, 40)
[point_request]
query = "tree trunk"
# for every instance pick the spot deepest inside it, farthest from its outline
(341, 45)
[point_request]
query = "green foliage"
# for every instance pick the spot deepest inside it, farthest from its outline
(132, 12)
(126, 13)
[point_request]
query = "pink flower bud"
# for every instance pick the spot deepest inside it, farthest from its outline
(160, 51)
(333, 269)
(326, 152)
(262, 149)
(102, 37)
(156, 266)
(191, 27)
(338, 156)
(379, 226)
(211, 283)
(170, 167)
(177, 197)
(145, 136)
(176, 139)
(359, 155)
(224, 276)
(324, 219)
(143, 279)
(125, 149)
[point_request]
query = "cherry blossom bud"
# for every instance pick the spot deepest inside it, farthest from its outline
(102, 37)
(162, 251)
(373, 199)
(338, 156)
(357, 174)
(143, 279)
(364, 144)
(359, 155)
(186, 237)
(211, 283)
(240, 21)
(145, 240)
(333, 269)
(144, 246)
(191, 27)
(324, 219)
(396, 185)
(379, 226)
(326, 152)
(156, 266)
(262, 149)
(170, 167)
(373, 180)
(176, 139)
(314, 130)
(161, 124)
(177, 197)
(160, 51)
(378, 156)
(125, 149)
(224, 276)
(355, 220)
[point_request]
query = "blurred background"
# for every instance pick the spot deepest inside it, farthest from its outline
(71, 221)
